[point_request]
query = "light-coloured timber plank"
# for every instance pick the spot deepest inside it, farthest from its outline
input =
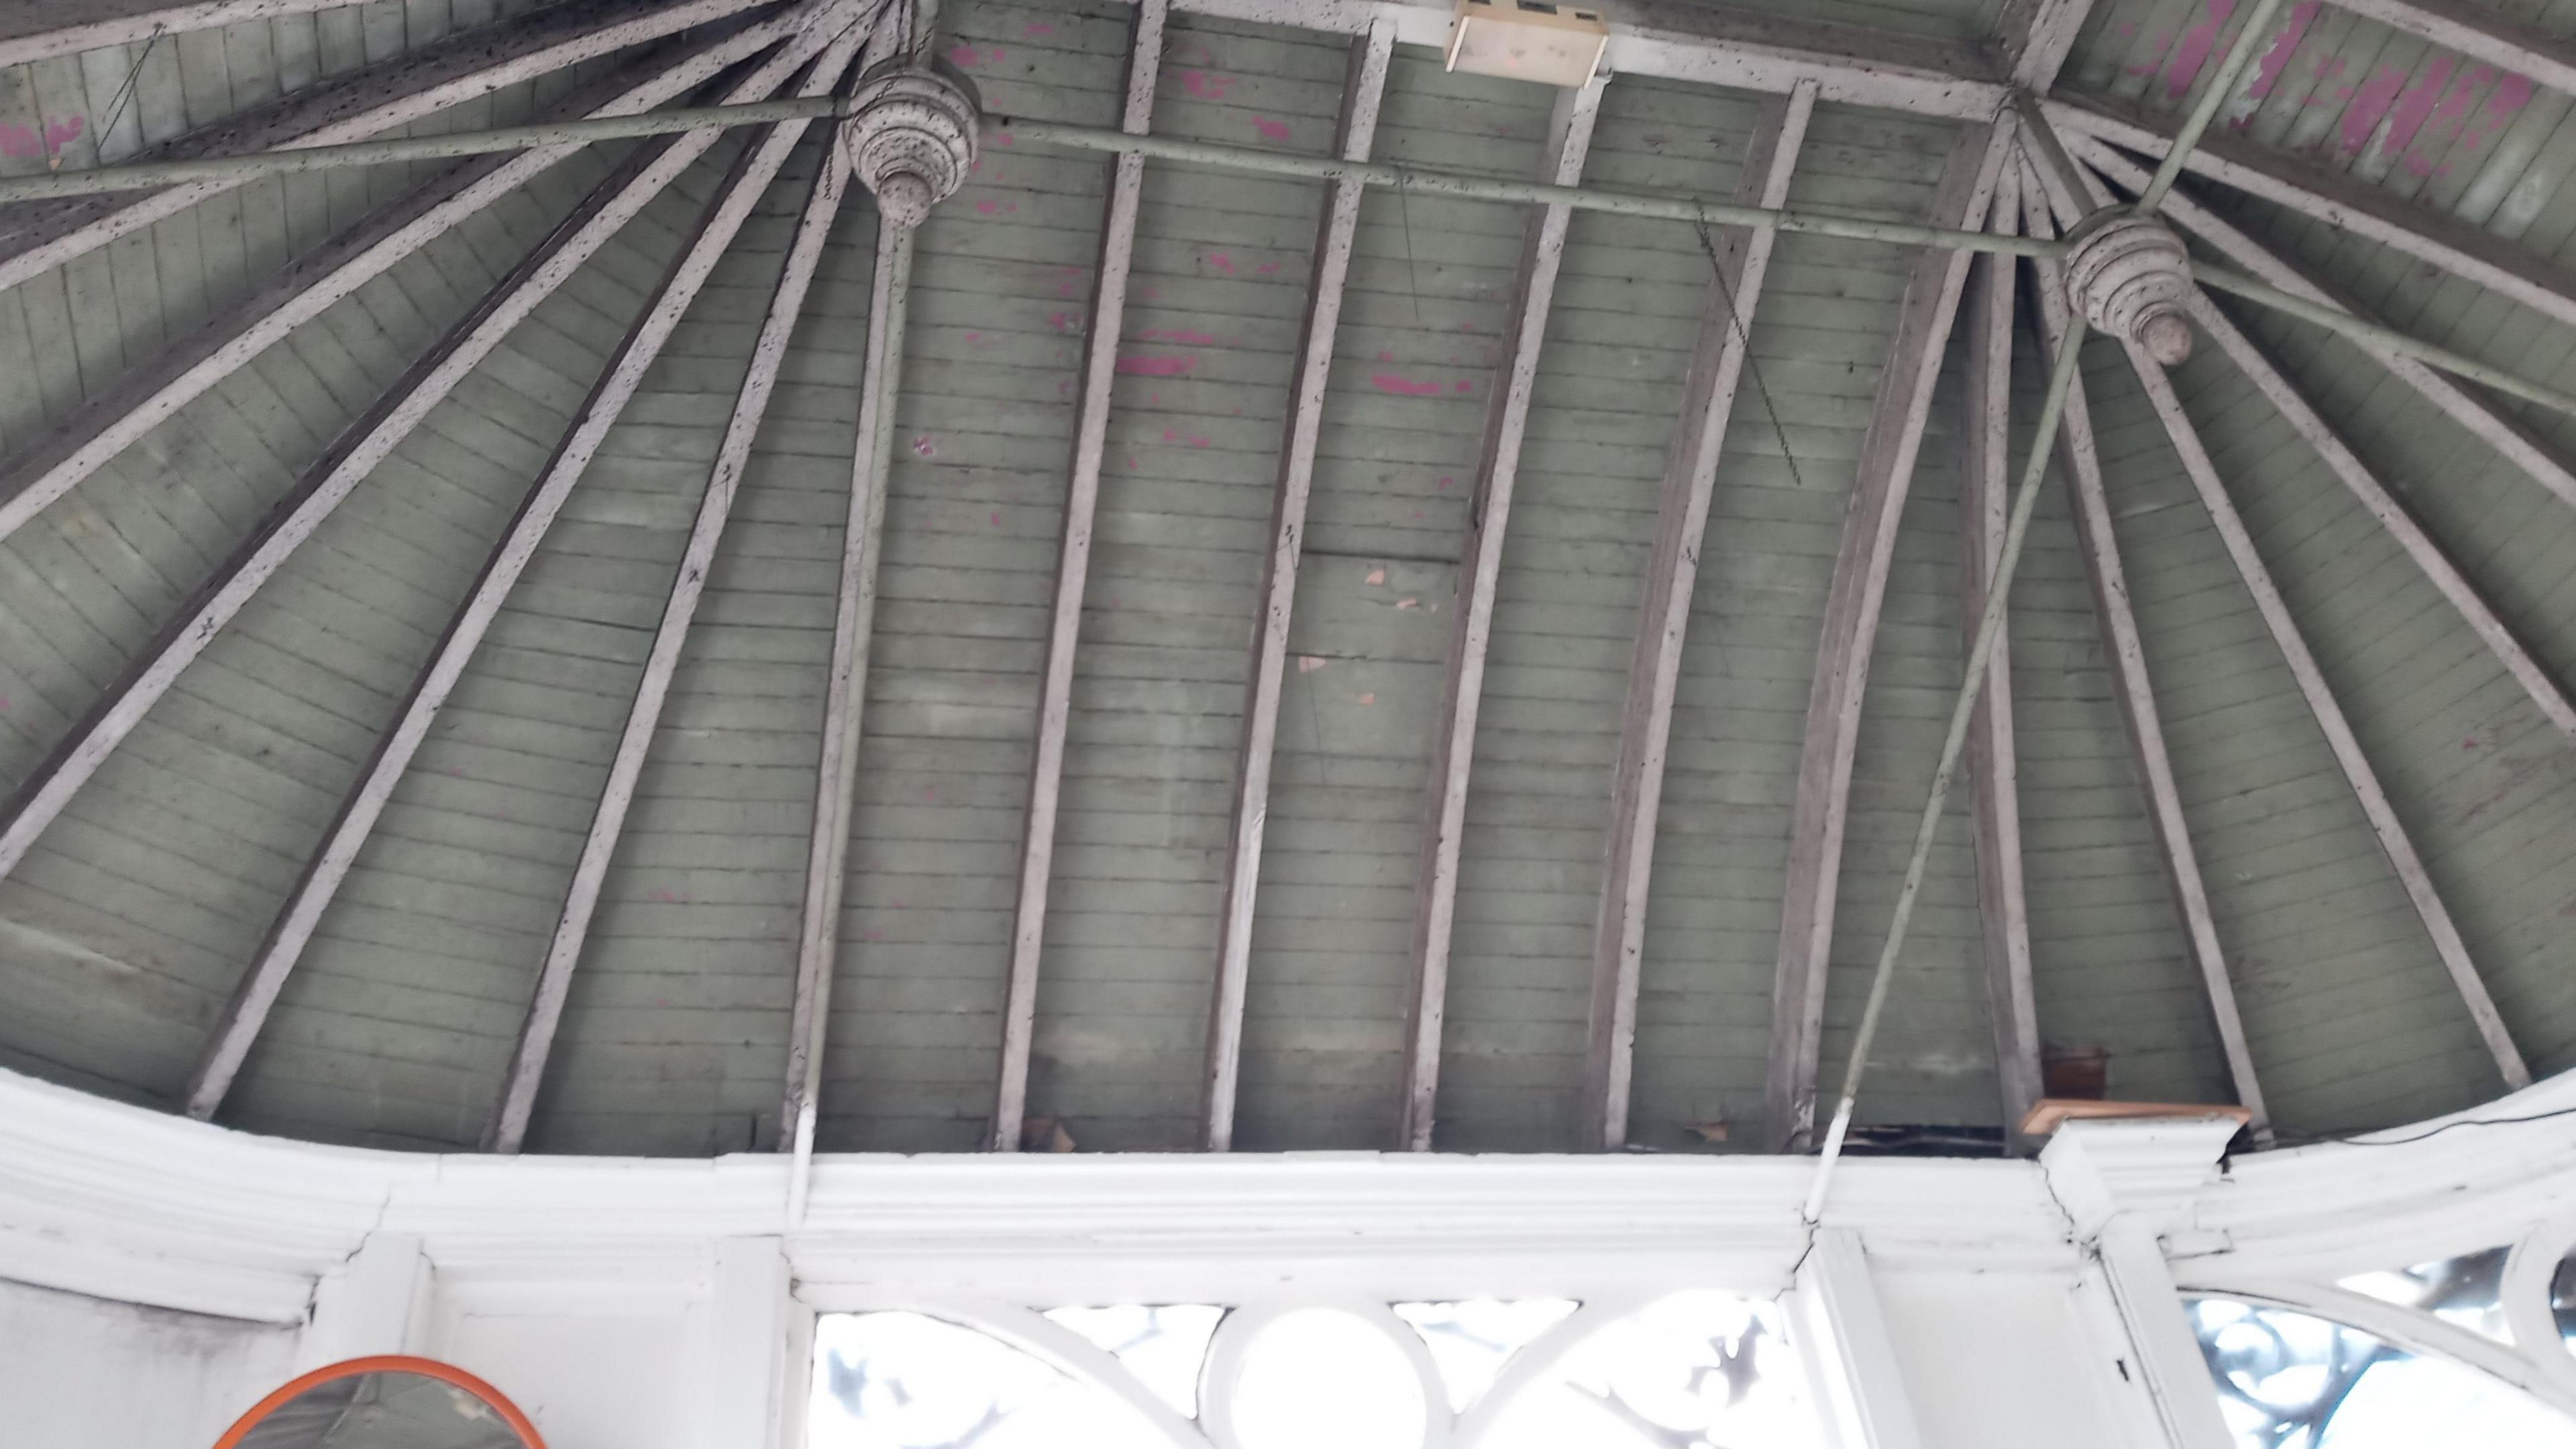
(1453, 744)
(1741, 260)
(1358, 124)
(1850, 635)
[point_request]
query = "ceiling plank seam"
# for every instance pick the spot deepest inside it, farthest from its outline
(1361, 93)
(105, 426)
(1861, 565)
(320, 879)
(1073, 570)
(1743, 259)
(526, 1072)
(1480, 566)
(845, 688)
(398, 92)
(2124, 655)
(1993, 761)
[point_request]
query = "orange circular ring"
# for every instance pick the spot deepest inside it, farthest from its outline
(387, 1363)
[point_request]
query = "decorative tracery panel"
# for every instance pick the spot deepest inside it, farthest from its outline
(1696, 1370)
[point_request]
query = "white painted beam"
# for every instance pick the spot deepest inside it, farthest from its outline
(1841, 1329)
(41, 29)
(1480, 567)
(2037, 35)
(351, 108)
(1743, 258)
(351, 458)
(2393, 840)
(2124, 655)
(1370, 54)
(2337, 198)
(1886, 473)
(1072, 574)
(509, 1127)
(2491, 427)
(1994, 771)
(175, 375)
(365, 802)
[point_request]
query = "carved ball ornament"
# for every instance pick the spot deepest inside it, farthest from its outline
(2130, 277)
(912, 136)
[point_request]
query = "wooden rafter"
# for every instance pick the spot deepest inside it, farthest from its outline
(52, 465)
(1480, 567)
(350, 459)
(1672, 573)
(845, 688)
(2393, 840)
(509, 1127)
(2499, 431)
(2124, 655)
(2037, 35)
(1361, 91)
(359, 810)
(1993, 761)
(2336, 198)
(40, 29)
(1850, 631)
(1072, 574)
(364, 103)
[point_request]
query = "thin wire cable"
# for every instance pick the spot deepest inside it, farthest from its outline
(2239, 55)
(124, 93)
(1735, 322)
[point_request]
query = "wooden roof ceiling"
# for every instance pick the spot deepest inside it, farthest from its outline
(341, 513)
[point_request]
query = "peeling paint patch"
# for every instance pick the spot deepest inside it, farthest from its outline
(1158, 366)
(967, 57)
(1270, 130)
(925, 447)
(27, 143)
(1221, 262)
(2192, 51)
(989, 207)
(1408, 603)
(1376, 578)
(2370, 103)
(1062, 321)
(1206, 87)
(1308, 663)
(2276, 57)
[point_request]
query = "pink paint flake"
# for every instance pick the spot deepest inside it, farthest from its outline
(1267, 268)
(2276, 58)
(2369, 103)
(967, 57)
(1221, 262)
(1368, 699)
(1463, 385)
(2192, 51)
(1205, 87)
(997, 518)
(925, 447)
(995, 208)
(1445, 482)
(1158, 366)
(1036, 28)
(1270, 130)
(1061, 321)
(2414, 105)
(2510, 95)
(1402, 386)
(1385, 356)
(1181, 335)
(974, 337)
(1175, 435)
(1308, 663)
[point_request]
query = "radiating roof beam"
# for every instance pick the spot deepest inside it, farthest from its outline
(1072, 574)
(2037, 35)
(175, 375)
(1994, 769)
(363, 103)
(1361, 92)
(359, 810)
(845, 689)
(2481, 32)
(1886, 472)
(2494, 428)
(509, 1126)
(2393, 840)
(2124, 655)
(1480, 567)
(2336, 198)
(1743, 258)
(42, 29)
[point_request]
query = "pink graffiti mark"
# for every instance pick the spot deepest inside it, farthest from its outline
(967, 57)
(2192, 51)
(1205, 87)
(1445, 482)
(26, 143)
(995, 208)
(1158, 366)
(1182, 335)
(1267, 268)
(1175, 435)
(1221, 262)
(1036, 28)
(2370, 102)
(1270, 130)
(1462, 385)
(2276, 59)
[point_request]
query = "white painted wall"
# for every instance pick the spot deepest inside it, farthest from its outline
(79, 1373)
(157, 1275)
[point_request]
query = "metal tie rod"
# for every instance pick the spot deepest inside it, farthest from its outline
(1812, 221)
